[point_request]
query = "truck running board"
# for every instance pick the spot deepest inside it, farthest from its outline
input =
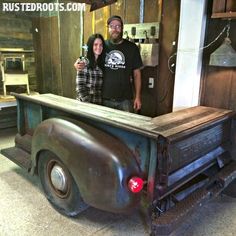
(172, 219)
(18, 156)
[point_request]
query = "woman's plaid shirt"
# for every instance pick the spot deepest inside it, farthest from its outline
(89, 85)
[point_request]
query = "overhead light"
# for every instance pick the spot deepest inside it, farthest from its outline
(224, 56)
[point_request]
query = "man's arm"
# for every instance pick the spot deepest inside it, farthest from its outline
(137, 87)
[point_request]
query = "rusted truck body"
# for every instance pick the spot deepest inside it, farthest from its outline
(91, 155)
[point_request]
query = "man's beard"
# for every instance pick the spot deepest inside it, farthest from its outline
(116, 39)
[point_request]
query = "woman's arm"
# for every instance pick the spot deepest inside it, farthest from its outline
(81, 88)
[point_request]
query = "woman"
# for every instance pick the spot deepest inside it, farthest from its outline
(89, 80)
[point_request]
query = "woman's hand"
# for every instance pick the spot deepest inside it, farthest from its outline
(79, 64)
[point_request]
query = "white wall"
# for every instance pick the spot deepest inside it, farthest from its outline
(189, 54)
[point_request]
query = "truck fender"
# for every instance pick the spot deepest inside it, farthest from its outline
(100, 164)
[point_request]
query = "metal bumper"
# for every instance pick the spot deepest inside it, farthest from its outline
(170, 220)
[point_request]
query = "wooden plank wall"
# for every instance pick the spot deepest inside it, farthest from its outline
(169, 29)
(95, 22)
(70, 50)
(8, 117)
(16, 32)
(57, 50)
(58, 45)
(218, 83)
(231, 6)
(46, 43)
(168, 13)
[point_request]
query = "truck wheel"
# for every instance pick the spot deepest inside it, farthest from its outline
(59, 185)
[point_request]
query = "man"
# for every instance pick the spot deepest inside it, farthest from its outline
(122, 67)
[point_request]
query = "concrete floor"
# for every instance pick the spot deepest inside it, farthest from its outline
(25, 211)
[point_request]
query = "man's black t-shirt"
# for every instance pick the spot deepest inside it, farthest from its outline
(121, 60)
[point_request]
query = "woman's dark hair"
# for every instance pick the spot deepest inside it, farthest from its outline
(90, 54)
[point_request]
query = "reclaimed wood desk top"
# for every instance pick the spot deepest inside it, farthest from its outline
(166, 125)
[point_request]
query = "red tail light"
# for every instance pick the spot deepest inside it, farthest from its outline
(135, 184)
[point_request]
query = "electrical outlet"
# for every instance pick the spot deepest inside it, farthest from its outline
(151, 82)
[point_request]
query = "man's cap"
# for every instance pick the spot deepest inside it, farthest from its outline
(115, 18)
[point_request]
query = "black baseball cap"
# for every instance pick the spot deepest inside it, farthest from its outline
(115, 18)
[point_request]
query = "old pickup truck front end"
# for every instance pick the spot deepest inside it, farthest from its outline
(90, 155)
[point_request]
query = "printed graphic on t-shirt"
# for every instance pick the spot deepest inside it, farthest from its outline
(115, 60)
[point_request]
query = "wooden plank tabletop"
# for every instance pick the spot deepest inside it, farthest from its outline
(176, 122)
(165, 125)
(8, 101)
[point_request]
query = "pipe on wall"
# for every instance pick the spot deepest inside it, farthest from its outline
(141, 12)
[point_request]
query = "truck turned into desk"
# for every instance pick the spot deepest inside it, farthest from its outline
(90, 155)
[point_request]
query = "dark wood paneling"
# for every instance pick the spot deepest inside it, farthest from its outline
(152, 11)
(46, 42)
(225, 9)
(218, 6)
(219, 83)
(38, 55)
(69, 44)
(149, 95)
(131, 11)
(88, 23)
(70, 50)
(232, 99)
(231, 5)
(168, 33)
(45, 34)
(128, 10)
(15, 31)
(218, 87)
(101, 17)
(118, 8)
(8, 117)
(58, 46)
(57, 86)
